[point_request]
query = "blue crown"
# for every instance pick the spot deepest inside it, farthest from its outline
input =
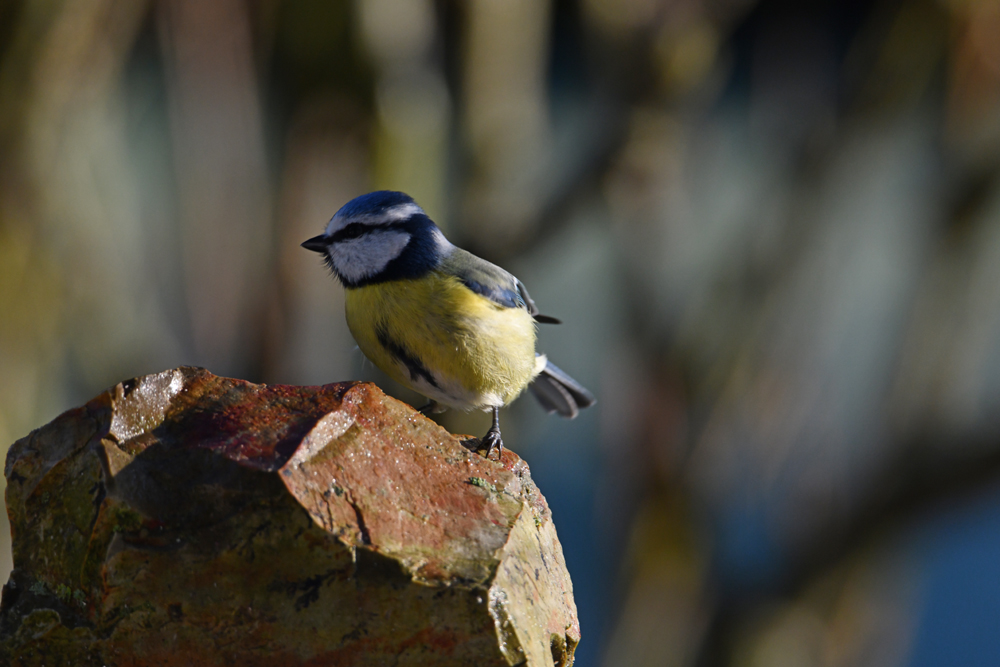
(373, 203)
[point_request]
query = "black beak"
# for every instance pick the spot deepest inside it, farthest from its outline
(317, 243)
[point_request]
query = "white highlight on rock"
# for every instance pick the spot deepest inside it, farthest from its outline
(326, 430)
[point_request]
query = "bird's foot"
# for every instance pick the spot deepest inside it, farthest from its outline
(432, 408)
(492, 439)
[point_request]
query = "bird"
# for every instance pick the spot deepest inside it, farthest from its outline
(451, 326)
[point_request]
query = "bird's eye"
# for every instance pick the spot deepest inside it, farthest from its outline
(351, 231)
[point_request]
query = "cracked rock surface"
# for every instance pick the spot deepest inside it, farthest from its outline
(187, 519)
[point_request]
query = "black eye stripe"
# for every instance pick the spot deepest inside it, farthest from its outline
(351, 231)
(358, 229)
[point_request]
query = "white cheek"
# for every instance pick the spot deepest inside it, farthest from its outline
(367, 255)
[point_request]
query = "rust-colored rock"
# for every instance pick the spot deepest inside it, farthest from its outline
(187, 519)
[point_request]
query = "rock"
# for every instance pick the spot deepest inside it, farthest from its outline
(187, 519)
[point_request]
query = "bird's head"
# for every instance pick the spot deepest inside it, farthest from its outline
(380, 236)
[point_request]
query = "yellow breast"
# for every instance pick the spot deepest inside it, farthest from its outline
(439, 338)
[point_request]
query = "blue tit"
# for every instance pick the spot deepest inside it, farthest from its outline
(437, 319)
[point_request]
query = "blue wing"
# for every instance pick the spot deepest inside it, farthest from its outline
(492, 282)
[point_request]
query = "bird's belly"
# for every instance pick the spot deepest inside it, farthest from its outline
(439, 338)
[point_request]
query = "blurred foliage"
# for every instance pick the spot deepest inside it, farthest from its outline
(772, 229)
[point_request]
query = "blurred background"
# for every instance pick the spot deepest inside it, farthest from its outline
(771, 227)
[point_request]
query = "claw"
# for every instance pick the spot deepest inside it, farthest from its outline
(492, 438)
(432, 408)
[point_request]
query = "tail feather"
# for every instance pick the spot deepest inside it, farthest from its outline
(558, 392)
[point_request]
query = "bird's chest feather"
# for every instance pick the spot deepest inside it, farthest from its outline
(434, 332)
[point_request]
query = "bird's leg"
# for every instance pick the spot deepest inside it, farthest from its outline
(492, 438)
(432, 408)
